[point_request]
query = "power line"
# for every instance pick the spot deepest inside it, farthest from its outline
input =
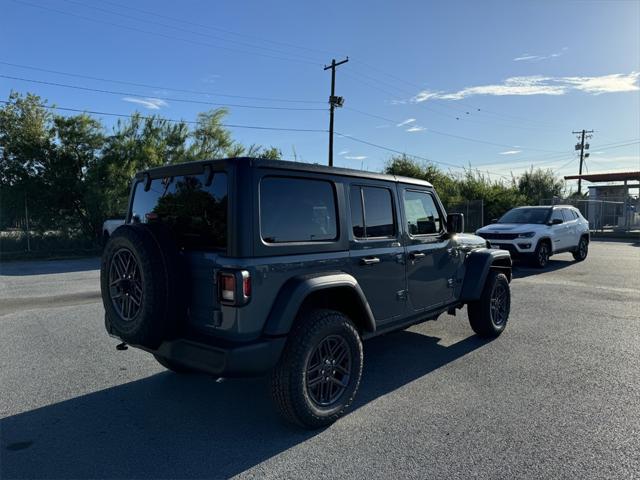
(564, 165)
(177, 100)
(145, 85)
(193, 32)
(437, 132)
(163, 35)
(192, 122)
(216, 28)
(419, 157)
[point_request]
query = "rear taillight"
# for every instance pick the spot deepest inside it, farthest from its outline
(234, 287)
(227, 287)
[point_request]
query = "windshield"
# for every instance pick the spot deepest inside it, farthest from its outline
(525, 215)
(193, 207)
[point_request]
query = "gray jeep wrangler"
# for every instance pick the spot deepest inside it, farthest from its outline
(244, 267)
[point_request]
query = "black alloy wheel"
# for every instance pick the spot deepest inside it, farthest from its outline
(542, 255)
(582, 250)
(328, 371)
(499, 303)
(317, 376)
(125, 285)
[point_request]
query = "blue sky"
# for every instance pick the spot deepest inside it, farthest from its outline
(495, 85)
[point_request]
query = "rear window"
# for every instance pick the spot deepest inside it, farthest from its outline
(193, 207)
(297, 210)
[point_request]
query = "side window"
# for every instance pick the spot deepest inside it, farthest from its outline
(297, 210)
(357, 214)
(557, 213)
(568, 215)
(372, 212)
(423, 217)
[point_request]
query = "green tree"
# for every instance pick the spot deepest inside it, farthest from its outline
(537, 185)
(444, 183)
(73, 175)
(78, 142)
(26, 145)
(210, 139)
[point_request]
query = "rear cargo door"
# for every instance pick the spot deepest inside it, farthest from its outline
(195, 210)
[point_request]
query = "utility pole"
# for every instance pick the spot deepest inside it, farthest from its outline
(333, 103)
(582, 147)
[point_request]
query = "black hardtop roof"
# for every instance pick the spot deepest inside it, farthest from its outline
(184, 168)
(546, 206)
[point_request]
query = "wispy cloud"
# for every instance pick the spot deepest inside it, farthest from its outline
(528, 57)
(541, 85)
(415, 128)
(355, 157)
(343, 152)
(150, 103)
(406, 122)
(211, 78)
(617, 82)
(510, 152)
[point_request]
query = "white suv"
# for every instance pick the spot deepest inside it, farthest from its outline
(537, 233)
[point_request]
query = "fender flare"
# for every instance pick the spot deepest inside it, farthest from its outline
(296, 290)
(477, 266)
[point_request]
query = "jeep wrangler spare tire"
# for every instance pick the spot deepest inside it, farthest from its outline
(142, 291)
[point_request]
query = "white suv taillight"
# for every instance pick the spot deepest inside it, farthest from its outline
(234, 287)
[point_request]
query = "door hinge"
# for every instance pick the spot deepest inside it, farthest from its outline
(401, 295)
(451, 282)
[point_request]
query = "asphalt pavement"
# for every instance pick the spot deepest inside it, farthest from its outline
(556, 396)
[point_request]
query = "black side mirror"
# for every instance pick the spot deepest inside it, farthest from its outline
(455, 223)
(555, 221)
(494, 220)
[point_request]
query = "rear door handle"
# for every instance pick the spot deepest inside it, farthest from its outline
(416, 255)
(369, 260)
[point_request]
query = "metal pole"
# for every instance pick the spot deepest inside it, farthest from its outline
(26, 219)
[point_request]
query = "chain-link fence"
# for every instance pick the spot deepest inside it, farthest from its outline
(614, 214)
(473, 211)
(19, 240)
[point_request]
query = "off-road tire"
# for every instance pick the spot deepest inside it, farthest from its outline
(482, 317)
(582, 250)
(173, 366)
(161, 279)
(541, 256)
(289, 389)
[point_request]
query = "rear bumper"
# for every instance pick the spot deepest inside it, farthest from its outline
(249, 359)
(217, 358)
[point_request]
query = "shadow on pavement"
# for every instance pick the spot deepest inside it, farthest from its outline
(190, 426)
(46, 267)
(522, 270)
